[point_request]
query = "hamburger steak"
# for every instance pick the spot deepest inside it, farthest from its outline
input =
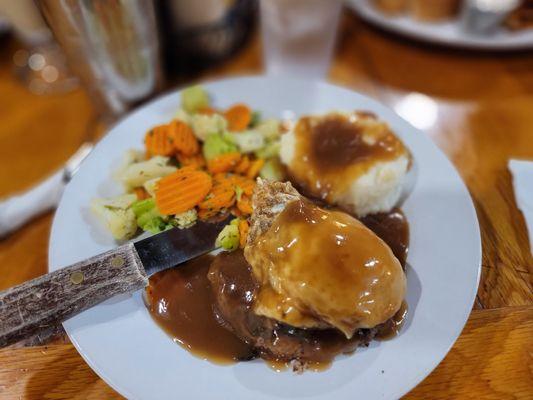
(235, 289)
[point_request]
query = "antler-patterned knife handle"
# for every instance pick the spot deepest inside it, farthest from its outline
(48, 300)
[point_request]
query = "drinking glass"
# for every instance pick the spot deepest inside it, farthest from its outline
(112, 45)
(38, 62)
(299, 36)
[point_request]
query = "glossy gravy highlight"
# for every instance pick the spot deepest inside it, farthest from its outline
(326, 267)
(180, 301)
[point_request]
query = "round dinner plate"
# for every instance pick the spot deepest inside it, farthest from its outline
(124, 346)
(447, 33)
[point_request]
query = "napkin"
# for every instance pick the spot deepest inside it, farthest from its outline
(522, 172)
(21, 208)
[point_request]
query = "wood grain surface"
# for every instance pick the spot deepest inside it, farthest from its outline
(491, 360)
(483, 115)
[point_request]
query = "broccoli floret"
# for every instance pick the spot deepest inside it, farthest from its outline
(152, 222)
(256, 117)
(216, 145)
(148, 217)
(269, 150)
(143, 206)
(228, 238)
(194, 98)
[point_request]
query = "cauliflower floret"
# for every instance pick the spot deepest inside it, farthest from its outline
(136, 174)
(204, 125)
(269, 128)
(182, 115)
(249, 141)
(122, 202)
(117, 215)
(150, 186)
(186, 219)
(131, 156)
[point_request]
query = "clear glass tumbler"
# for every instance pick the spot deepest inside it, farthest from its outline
(112, 45)
(299, 36)
(39, 63)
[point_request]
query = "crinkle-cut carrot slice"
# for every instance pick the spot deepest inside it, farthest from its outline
(141, 193)
(238, 116)
(223, 163)
(254, 168)
(222, 194)
(183, 138)
(243, 232)
(158, 143)
(182, 190)
(247, 185)
(242, 166)
(197, 160)
(245, 205)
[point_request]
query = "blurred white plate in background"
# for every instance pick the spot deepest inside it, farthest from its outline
(446, 33)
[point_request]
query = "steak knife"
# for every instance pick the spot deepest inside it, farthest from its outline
(48, 300)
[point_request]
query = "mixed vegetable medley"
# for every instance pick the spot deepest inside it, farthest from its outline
(201, 164)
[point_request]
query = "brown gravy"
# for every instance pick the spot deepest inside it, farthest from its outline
(337, 143)
(393, 229)
(236, 289)
(320, 268)
(392, 327)
(332, 344)
(180, 301)
(332, 151)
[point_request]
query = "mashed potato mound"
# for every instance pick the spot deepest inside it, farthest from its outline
(350, 160)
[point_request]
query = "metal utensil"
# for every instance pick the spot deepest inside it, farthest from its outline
(44, 302)
(17, 210)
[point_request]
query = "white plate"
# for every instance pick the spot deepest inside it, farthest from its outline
(447, 33)
(119, 340)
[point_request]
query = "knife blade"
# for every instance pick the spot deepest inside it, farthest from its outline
(175, 246)
(44, 302)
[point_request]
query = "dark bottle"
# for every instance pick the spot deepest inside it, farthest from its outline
(197, 34)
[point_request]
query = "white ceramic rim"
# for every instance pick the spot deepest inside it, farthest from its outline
(445, 33)
(341, 95)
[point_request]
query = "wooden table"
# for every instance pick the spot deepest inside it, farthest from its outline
(484, 117)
